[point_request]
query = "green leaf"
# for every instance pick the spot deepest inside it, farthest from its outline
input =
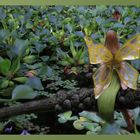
(62, 120)
(69, 27)
(92, 126)
(73, 50)
(66, 115)
(99, 20)
(15, 65)
(118, 25)
(80, 56)
(127, 20)
(4, 83)
(29, 25)
(23, 92)
(69, 60)
(45, 70)
(35, 83)
(29, 59)
(21, 79)
(4, 66)
(91, 116)
(19, 48)
(64, 63)
(106, 101)
(110, 129)
(3, 35)
(78, 125)
(73, 118)
(88, 30)
(119, 119)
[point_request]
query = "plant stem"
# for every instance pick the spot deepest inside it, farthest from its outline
(128, 119)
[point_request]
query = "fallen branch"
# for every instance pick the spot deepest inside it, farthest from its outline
(82, 99)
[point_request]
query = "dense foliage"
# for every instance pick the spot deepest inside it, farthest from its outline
(42, 51)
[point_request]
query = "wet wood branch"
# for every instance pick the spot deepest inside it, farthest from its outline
(82, 99)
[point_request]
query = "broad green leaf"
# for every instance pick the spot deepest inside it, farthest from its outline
(19, 47)
(121, 122)
(62, 120)
(78, 125)
(4, 66)
(66, 115)
(35, 83)
(4, 83)
(45, 70)
(110, 129)
(29, 25)
(21, 79)
(127, 20)
(106, 101)
(69, 27)
(79, 33)
(30, 59)
(99, 20)
(118, 25)
(91, 116)
(73, 118)
(15, 65)
(90, 126)
(119, 119)
(23, 92)
(3, 35)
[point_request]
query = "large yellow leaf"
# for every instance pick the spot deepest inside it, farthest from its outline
(102, 79)
(130, 50)
(128, 75)
(98, 53)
